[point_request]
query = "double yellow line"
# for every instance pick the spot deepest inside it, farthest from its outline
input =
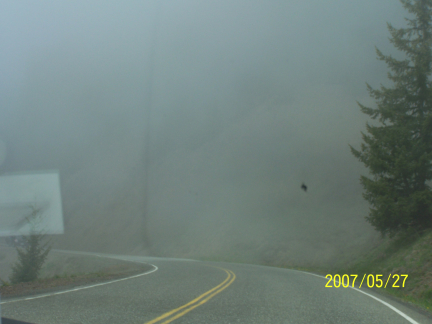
(182, 310)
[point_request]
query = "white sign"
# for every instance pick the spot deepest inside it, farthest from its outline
(30, 203)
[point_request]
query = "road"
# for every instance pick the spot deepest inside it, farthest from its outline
(187, 291)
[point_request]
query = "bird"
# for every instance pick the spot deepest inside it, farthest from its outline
(303, 186)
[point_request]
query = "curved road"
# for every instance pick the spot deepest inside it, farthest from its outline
(187, 291)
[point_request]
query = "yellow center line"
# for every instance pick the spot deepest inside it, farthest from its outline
(197, 301)
(201, 302)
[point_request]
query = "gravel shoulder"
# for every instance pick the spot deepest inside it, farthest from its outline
(64, 271)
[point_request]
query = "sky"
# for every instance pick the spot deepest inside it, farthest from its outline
(242, 100)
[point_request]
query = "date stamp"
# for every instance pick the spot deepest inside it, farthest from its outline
(370, 280)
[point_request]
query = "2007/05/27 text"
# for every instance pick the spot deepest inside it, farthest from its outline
(371, 280)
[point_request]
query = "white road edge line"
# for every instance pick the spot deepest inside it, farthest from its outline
(409, 319)
(85, 287)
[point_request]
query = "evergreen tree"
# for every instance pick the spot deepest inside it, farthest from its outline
(398, 152)
(30, 259)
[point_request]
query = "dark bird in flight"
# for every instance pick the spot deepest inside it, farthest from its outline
(303, 186)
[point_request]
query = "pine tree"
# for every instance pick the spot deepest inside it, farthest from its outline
(398, 152)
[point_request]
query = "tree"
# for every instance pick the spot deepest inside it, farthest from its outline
(398, 152)
(32, 257)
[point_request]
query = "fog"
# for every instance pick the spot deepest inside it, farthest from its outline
(242, 101)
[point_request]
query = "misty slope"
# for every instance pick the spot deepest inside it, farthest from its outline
(410, 256)
(237, 196)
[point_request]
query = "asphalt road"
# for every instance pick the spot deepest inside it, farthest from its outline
(187, 291)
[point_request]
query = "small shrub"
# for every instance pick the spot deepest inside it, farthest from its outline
(30, 259)
(4, 283)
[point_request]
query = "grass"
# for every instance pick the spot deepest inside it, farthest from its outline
(43, 285)
(410, 256)
(99, 274)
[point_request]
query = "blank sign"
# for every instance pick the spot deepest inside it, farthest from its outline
(30, 203)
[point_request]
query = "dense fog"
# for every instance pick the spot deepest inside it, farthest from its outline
(241, 102)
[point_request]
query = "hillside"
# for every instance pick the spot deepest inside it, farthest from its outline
(412, 257)
(236, 195)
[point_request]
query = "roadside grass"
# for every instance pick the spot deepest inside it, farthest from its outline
(410, 256)
(64, 271)
(47, 284)
(99, 274)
